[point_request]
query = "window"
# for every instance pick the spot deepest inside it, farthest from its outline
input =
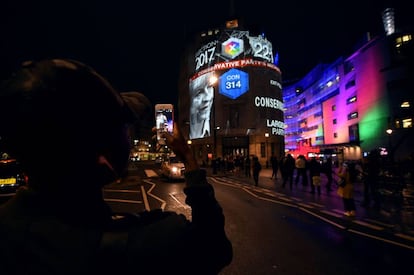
(334, 121)
(335, 135)
(262, 149)
(333, 107)
(351, 99)
(399, 41)
(353, 131)
(352, 115)
(348, 67)
(350, 84)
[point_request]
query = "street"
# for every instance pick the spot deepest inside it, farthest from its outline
(277, 233)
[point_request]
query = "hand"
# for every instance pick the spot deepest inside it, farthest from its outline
(179, 146)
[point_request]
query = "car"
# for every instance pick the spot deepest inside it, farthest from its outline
(11, 176)
(172, 168)
(159, 159)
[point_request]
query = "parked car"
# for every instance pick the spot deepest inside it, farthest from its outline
(11, 176)
(172, 168)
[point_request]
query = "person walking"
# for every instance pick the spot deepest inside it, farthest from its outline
(371, 168)
(315, 168)
(247, 167)
(346, 190)
(327, 170)
(300, 165)
(274, 162)
(256, 167)
(287, 168)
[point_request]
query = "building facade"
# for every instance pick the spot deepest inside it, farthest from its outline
(356, 104)
(231, 98)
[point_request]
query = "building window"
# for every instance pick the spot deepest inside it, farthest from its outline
(351, 99)
(407, 123)
(334, 121)
(298, 90)
(352, 115)
(350, 84)
(333, 107)
(353, 131)
(399, 41)
(335, 135)
(302, 103)
(348, 67)
(263, 149)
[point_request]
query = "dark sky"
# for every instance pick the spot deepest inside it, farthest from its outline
(137, 44)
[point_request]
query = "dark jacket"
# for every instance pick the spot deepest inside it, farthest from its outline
(37, 239)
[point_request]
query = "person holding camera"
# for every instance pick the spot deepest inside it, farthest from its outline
(68, 127)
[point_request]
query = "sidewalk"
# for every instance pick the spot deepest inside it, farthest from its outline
(397, 216)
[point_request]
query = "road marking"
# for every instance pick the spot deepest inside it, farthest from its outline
(184, 205)
(121, 190)
(163, 203)
(144, 196)
(410, 238)
(150, 173)
(368, 225)
(322, 218)
(336, 212)
(330, 213)
(381, 239)
(125, 201)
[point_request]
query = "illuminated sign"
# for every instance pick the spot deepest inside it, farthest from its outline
(261, 47)
(232, 47)
(234, 83)
(205, 55)
(234, 44)
(240, 63)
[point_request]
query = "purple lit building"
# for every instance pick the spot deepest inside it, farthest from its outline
(356, 104)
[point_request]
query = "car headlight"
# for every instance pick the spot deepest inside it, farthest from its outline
(174, 169)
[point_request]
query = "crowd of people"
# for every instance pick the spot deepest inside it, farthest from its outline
(308, 173)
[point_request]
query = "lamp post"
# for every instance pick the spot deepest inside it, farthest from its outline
(266, 154)
(390, 150)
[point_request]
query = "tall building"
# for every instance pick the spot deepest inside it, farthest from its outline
(356, 104)
(230, 98)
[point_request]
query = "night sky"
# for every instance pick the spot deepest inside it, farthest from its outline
(137, 45)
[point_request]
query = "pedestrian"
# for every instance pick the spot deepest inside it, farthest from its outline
(346, 190)
(247, 167)
(300, 165)
(256, 167)
(327, 170)
(371, 172)
(287, 169)
(275, 166)
(59, 223)
(315, 168)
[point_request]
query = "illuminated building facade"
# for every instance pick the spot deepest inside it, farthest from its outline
(356, 104)
(246, 116)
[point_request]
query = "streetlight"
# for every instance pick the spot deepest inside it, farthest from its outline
(267, 162)
(389, 132)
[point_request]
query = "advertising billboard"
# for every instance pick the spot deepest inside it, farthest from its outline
(246, 90)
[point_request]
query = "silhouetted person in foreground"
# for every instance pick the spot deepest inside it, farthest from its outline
(69, 129)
